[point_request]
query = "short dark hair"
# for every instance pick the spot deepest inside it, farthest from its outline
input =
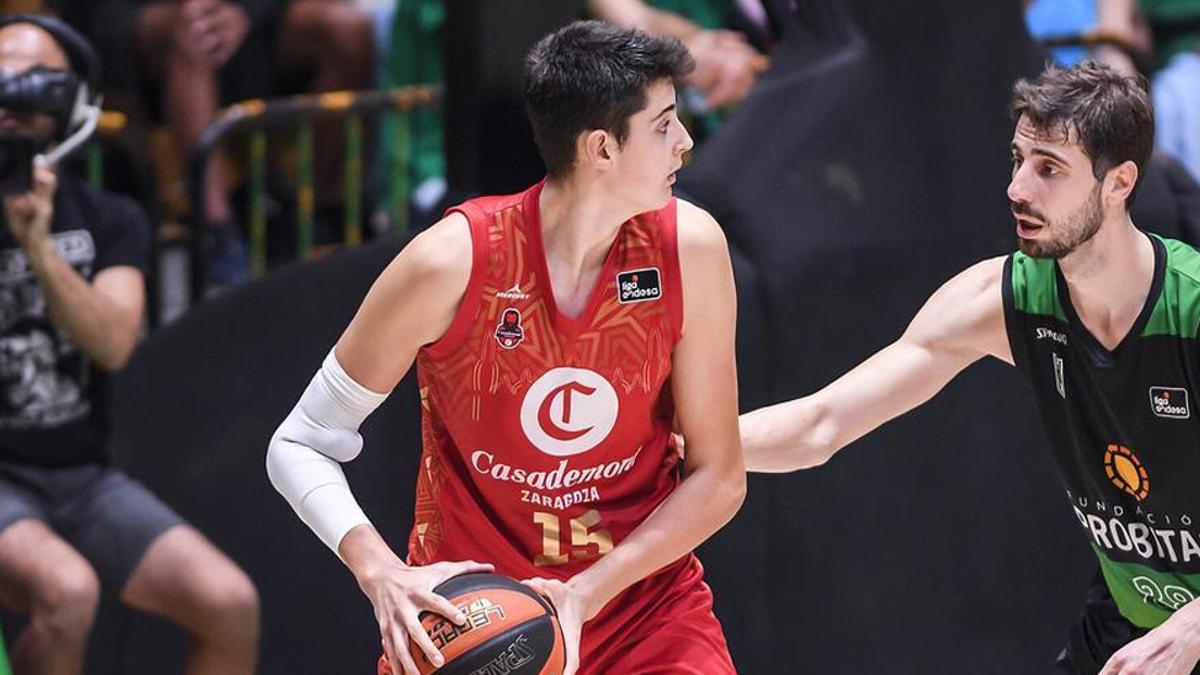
(1110, 113)
(593, 75)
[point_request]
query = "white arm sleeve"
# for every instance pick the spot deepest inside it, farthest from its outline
(303, 456)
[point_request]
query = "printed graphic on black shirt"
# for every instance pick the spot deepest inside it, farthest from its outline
(43, 377)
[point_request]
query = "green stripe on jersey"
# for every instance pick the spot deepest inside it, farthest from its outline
(1177, 311)
(1035, 287)
(1145, 596)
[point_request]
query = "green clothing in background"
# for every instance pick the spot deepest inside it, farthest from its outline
(414, 56)
(1176, 26)
(5, 669)
(708, 14)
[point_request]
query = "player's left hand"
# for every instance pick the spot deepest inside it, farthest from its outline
(1170, 649)
(573, 609)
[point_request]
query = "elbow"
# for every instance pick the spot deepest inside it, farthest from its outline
(274, 460)
(114, 360)
(738, 494)
(817, 454)
(116, 356)
(732, 494)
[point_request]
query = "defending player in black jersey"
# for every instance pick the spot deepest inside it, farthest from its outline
(1101, 320)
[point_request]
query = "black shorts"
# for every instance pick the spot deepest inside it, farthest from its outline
(1098, 633)
(104, 514)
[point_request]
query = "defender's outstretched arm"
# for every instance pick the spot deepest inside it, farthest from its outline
(959, 324)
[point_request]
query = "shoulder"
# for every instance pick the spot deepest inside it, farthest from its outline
(1031, 286)
(967, 313)
(107, 213)
(985, 275)
(444, 248)
(98, 203)
(1183, 261)
(421, 288)
(974, 293)
(1178, 309)
(698, 233)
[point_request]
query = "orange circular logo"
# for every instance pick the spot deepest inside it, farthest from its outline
(1126, 472)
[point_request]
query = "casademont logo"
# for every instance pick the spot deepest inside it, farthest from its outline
(568, 411)
(1126, 472)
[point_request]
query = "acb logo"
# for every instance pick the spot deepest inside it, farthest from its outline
(568, 411)
(1126, 472)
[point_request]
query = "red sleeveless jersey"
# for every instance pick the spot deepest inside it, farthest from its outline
(547, 439)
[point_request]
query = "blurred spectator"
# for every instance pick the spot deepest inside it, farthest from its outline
(1176, 83)
(1157, 36)
(727, 66)
(192, 56)
(72, 262)
(414, 56)
(1111, 31)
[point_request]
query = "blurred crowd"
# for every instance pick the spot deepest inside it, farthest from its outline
(171, 65)
(1158, 39)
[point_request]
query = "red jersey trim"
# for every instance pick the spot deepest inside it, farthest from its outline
(472, 300)
(668, 231)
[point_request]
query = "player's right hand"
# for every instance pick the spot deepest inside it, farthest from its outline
(400, 593)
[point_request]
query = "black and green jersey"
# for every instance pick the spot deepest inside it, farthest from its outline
(1122, 424)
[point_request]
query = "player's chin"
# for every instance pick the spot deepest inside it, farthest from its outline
(668, 189)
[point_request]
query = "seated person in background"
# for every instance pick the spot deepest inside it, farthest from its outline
(202, 54)
(71, 301)
(1176, 81)
(1122, 37)
(727, 66)
(1170, 27)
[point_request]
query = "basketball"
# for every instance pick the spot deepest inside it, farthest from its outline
(510, 629)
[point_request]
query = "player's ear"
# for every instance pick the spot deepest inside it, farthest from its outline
(1119, 183)
(598, 148)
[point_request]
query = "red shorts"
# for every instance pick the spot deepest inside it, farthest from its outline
(658, 626)
(675, 633)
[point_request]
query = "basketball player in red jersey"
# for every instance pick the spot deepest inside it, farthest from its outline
(559, 334)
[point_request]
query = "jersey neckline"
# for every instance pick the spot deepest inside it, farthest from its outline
(1101, 355)
(565, 324)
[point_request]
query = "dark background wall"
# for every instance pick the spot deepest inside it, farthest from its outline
(867, 167)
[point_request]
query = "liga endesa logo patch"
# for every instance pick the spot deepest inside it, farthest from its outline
(1170, 402)
(638, 286)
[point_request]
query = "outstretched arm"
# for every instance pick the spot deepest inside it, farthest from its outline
(959, 324)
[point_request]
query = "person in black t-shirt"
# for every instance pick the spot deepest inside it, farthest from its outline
(71, 300)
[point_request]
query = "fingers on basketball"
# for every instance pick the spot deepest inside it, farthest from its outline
(397, 650)
(432, 602)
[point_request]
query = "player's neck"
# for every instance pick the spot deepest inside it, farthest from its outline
(1109, 278)
(578, 222)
